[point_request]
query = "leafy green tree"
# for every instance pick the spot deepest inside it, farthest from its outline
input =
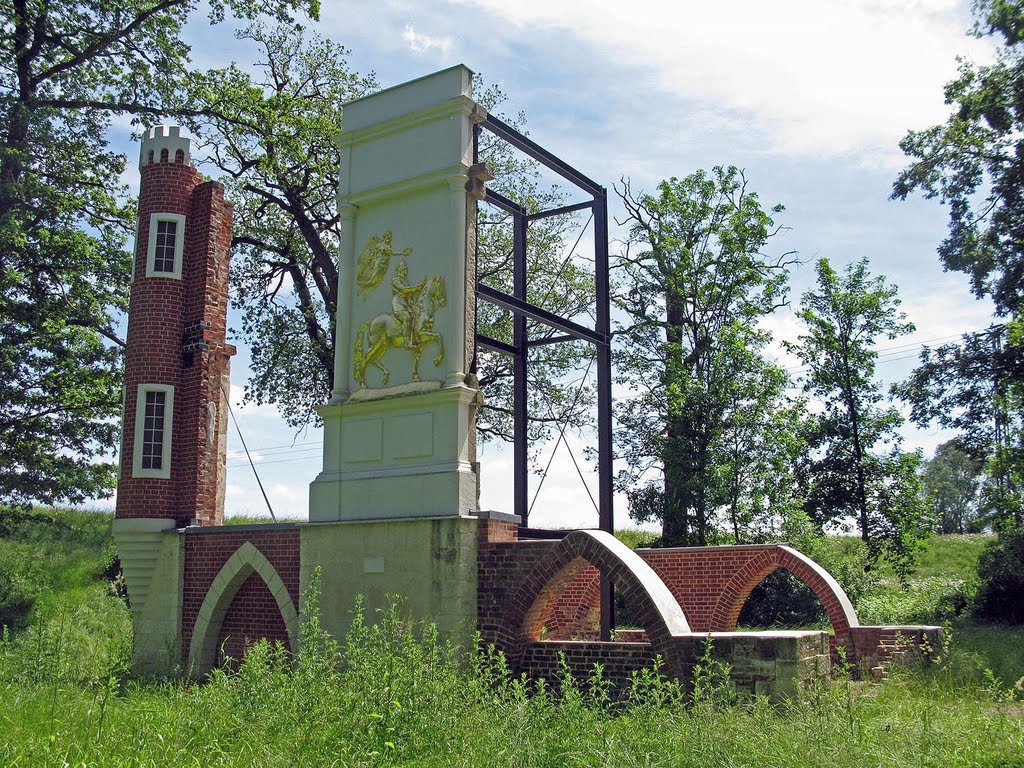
(974, 164)
(272, 135)
(67, 68)
(970, 386)
(694, 282)
(763, 441)
(849, 473)
(560, 280)
(951, 484)
(1001, 579)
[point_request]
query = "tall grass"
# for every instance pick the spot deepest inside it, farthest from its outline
(394, 693)
(51, 557)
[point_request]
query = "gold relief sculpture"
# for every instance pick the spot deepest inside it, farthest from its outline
(374, 261)
(410, 324)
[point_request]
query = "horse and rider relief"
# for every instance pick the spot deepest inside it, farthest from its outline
(410, 323)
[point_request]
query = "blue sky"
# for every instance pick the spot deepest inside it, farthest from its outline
(810, 97)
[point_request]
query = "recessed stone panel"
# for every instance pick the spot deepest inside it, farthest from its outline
(361, 440)
(410, 435)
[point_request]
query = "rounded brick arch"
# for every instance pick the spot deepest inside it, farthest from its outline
(246, 561)
(534, 601)
(735, 593)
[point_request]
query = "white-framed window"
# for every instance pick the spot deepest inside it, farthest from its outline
(166, 242)
(154, 422)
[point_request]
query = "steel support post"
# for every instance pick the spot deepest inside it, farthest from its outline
(520, 340)
(606, 517)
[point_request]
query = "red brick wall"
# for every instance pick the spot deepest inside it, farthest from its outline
(618, 661)
(501, 567)
(153, 346)
(577, 615)
(205, 374)
(206, 551)
(710, 583)
(894, 644)
(157, 352)
(253, 615)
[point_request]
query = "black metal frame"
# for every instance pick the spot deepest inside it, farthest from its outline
(522, 310)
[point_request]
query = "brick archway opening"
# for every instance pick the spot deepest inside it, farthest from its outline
(837, 605)
(534, 602)
(782, 601)
(250, 575)
(251, 616)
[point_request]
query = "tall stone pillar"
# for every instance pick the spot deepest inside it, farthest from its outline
(398, 432)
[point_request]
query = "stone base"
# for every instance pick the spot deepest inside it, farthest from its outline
(399, 457)
(430, 563)
(773, 664)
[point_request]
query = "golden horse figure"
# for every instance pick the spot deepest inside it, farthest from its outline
(410, 327)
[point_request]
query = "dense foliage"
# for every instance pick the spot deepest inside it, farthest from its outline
(855, 467)
(951, 484)
(1001, 573)
(974, 164)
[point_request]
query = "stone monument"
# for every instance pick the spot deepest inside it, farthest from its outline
(398, 431)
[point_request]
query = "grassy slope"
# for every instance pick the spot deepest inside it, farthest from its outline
(53, 558)
(65, 700)
(63, 562)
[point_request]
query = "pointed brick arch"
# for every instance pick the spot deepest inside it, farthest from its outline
(246, 561)
(837, 605)
(533, 602)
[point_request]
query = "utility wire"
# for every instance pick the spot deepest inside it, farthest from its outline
(251, 464)
(898, 352)
(284, 448)
(262, 463)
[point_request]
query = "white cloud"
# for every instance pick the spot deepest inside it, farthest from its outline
(421, 43)
(240, 407)
(816, 77)
(562, 502)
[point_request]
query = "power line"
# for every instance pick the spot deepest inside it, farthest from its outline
(309, 454)
(270, 448)
(898, 352)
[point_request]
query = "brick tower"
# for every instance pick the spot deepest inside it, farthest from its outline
(176, 378)
(177, 361)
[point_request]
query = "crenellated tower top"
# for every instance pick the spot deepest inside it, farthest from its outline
(164, 144)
